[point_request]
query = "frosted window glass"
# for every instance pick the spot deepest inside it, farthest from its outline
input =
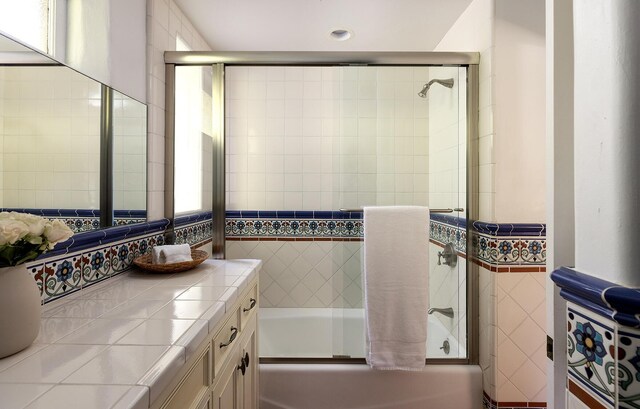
(26, 20)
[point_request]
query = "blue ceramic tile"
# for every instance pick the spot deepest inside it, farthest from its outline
(137, 230)
(62, 276)
(285, 214)
(84, 213)
(271, 214)
(233, 214)
(115, 233)
(302, 214)
(249, 214)
(96, 266)
(590, 349)
(37, 272)
(603, 297)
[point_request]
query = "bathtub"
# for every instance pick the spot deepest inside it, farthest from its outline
(325, 332)
(313, 332)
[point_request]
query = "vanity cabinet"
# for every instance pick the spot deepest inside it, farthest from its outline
(223, 374)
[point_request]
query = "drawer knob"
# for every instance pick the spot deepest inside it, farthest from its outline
(234, 334)
(252, 303)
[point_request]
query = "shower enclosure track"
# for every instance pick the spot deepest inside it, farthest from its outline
(457, 209)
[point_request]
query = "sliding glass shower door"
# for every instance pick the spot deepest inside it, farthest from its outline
(306, 148)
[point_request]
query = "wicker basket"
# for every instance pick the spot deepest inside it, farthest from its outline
(144, 262)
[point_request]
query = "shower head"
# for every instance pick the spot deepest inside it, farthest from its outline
(447, 83)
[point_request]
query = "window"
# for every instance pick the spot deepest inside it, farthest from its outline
(26, 21)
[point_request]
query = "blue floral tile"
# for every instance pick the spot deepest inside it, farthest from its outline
(282, 227)
(143, 246)
(628, 368)
(591, 353)
(445, 233)
(37, 272)
(122, 256)
(96, 265)
(62, 276)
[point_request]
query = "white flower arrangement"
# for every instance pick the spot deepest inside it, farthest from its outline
(24, 236)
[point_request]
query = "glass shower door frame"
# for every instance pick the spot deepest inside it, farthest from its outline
(220, 59)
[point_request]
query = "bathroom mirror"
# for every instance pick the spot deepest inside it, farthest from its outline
(52, 160)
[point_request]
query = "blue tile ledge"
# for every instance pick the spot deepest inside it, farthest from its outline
(613, 301)
(85, 240)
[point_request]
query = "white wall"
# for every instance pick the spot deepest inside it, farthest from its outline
(607, 102)
(519, 112)
(560, 198)
(106, 40)
(510, 39)
(473, 31)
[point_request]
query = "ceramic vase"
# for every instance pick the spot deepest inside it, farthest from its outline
(20, 309)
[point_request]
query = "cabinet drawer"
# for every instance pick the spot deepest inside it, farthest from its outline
(249, 306)
(225, 341)
(194, 386)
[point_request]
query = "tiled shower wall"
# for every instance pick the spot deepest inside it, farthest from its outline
(312, 138)
(51, 117)
(448, 139)
(305, 273)
(447, 189)
(321, 138)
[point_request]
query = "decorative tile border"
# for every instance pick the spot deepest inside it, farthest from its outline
(91, 257)
(83, 220)
(489, 403)
(612, 301)
(510, 251)
(585, 397)
(195, 229)
(445, 229)
(499, 247)
(294, 228)
(300, 224)
(628, 350)
(603, 340)
(590, 354)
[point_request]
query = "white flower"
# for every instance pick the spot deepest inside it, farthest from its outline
(56, 232)
(36, 224)
(12, 231)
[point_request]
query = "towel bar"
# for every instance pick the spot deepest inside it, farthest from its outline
(457, 209)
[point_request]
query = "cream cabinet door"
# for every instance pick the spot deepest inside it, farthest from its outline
(226, 392)
(248, 381)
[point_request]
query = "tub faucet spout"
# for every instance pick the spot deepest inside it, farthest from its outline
(447, 312)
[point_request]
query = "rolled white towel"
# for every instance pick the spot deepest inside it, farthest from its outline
(171, 254)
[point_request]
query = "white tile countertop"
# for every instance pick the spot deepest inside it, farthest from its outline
(119, 343)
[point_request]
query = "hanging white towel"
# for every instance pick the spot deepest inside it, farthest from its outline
(171, 254)
(396, 260)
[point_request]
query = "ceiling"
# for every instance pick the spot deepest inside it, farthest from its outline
(304, 25)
